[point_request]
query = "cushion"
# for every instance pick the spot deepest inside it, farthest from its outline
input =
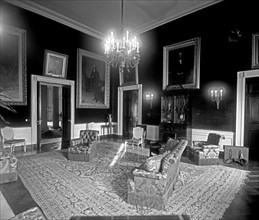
(166, 162)
(170, 145)
(152, 164)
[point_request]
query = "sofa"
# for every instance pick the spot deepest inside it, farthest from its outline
(153, 182)
(84, 148)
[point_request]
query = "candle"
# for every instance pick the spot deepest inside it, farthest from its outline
(221, 93)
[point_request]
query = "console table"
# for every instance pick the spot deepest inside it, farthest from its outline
(108, 127)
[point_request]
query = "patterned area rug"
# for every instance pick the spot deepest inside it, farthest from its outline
(64, 188)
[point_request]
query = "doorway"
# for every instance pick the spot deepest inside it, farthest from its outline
(129, 108)
(251, 133)
(52, 110)
(247, 119)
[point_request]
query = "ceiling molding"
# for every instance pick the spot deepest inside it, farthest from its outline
(51, 14)
(38, 9)
(152, 25)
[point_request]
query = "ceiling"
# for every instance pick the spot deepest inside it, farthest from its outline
(97, 17)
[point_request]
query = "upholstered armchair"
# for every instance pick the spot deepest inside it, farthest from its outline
(206, 152)
(84, 147)
(8, 167)
(154, 180)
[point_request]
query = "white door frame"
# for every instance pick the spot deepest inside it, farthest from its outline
(120, 104)
(34, 102)
(241, 102)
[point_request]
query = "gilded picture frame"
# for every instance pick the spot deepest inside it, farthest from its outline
(55, 64)
(255, 48)
(93, 80)
(128, 76)
(13, 66)
(181, 65)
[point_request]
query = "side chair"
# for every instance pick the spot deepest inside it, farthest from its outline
(9, 141)
(137, 139)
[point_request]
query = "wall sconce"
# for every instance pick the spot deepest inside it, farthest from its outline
(150, 96)
(216, 95)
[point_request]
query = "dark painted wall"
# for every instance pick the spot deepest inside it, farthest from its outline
(221, 59)
(43, 33)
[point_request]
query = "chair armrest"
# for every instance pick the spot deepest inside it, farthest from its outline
(195, 143)
(75, 141)
(143, 173)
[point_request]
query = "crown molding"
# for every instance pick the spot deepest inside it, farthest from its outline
(38, 9)
(153, 25)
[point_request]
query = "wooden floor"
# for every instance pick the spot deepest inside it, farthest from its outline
(243, 207)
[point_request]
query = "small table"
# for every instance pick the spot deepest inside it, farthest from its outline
(236, 152)
(108, 127)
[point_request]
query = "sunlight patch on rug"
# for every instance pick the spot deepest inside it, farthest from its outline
(64, 188)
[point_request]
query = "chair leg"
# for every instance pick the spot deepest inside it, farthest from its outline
(24, 146)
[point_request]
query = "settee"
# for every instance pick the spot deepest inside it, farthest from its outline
(84, 148)
(153, 182)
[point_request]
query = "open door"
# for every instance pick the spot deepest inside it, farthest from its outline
(130, 112)
(53, 116)
(251, 133)
(50, 110)
(129, 108)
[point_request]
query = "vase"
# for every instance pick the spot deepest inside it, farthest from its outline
(109, 119)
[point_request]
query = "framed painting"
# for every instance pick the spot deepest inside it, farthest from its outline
(128, 76)
(55, 64)
(93, 80)
(13, 67)
(181, 65)
(255, 45)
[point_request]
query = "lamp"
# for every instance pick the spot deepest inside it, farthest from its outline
(216, 95)
(123, 51)
(150, 96)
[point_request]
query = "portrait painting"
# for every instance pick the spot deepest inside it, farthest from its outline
(13, 76)
(255, 48)
(93, 80)
(181, 65)
(128, 75)
(55, 64)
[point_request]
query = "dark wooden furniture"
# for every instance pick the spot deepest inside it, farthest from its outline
(175, 115)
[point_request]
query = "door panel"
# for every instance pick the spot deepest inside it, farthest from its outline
(130, 111)
(66, 119)
(252, 116)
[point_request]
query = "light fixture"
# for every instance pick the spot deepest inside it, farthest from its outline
(123, 51)
(150, 96)
(216, 95)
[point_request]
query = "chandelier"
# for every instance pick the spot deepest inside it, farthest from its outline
(122, 51)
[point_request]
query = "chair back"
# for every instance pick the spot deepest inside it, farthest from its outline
(7, 133)
(214, 138)
(138, 133)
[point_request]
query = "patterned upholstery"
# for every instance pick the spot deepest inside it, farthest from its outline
(8, 167)
(84, 145)
(153, 188)
(206, 152)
